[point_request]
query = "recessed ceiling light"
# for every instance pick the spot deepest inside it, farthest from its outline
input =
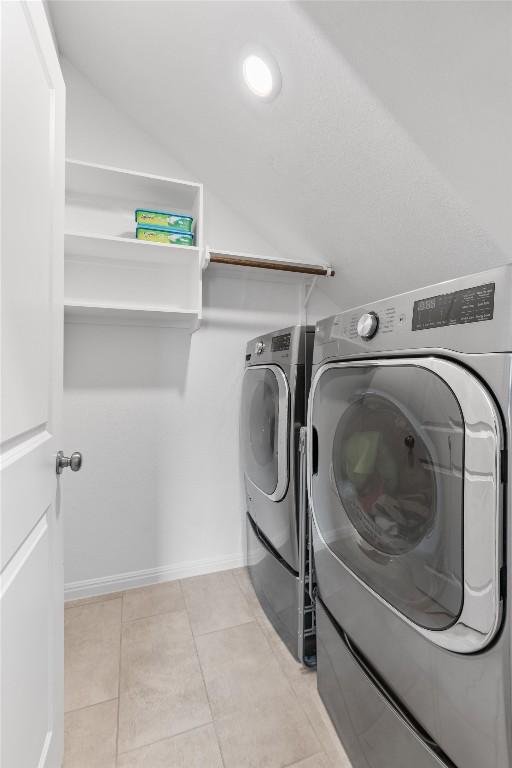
(261, 74)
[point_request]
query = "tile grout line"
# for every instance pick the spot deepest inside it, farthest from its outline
(298, 699)
(314, 728)
(162, 613)
(242, 594)
(208, 699)
(252, 620)
(119, 677)
(204, 683)
(68, 633)
(157, 613)
(293, 765)
(221, 753)
(164, 738)
(310, 720)
(101, 598)
(145, 618)
(153, 615)
(106, 596)
(88, 706)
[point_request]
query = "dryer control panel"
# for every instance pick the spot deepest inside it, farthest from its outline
(286, 346)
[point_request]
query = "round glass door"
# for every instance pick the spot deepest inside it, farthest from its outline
(265, 429)
(383, 474)
(388, 494)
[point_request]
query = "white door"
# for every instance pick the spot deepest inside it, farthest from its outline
(31, 582)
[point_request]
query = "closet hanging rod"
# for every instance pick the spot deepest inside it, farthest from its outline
(260, 263)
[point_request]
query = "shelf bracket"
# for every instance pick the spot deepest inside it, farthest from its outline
(310, 291)
(205, 259)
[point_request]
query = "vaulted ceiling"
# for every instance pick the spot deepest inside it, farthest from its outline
(387, 151)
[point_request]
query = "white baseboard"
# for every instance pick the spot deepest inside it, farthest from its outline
(102, 586)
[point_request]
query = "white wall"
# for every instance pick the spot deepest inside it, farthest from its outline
(155, 411)
(99, 132)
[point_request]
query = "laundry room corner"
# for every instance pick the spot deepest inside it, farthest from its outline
(256, 384)
(156, 498)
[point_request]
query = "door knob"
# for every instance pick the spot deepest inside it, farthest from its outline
(74, 462)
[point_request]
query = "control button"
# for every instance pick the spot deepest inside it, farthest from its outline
(260, 346)
(367, 325)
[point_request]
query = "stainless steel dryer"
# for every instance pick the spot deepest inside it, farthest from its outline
(408, 427)
(274, 397)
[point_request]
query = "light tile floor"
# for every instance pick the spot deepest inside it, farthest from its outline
(188, 674)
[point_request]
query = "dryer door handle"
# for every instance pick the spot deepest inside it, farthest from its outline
(314, 451)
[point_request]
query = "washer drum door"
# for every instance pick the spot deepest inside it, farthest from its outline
(404, 481)
(264, 429)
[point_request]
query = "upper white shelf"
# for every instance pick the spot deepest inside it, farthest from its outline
(92, 180)
(102, 200)
(112, 276)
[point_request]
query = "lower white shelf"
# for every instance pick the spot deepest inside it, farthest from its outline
(123, 281)
(102, 314)
(97, 246)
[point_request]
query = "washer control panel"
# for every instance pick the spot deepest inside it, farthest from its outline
(472, 314)
(469, 305)
(281, 343)
(367, 325)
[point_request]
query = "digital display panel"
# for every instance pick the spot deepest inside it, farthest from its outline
(281, 343)
(470, 305)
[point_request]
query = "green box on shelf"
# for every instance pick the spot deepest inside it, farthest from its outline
(175, 221)
(164, 235)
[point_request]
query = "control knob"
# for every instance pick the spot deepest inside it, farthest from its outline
(260, 346)
(367, 325)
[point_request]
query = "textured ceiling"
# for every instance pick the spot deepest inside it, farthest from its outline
(344, 165)
(444, 71)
